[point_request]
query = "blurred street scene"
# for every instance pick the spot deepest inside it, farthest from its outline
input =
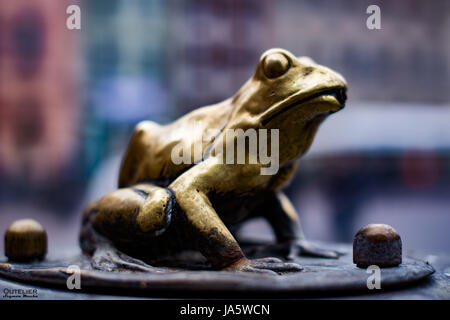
(69, 100)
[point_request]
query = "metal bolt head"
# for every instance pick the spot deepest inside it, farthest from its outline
(377, 244)
(25, 240)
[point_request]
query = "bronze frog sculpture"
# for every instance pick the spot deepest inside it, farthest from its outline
(163, 208)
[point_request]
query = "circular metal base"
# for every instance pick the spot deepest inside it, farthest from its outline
(319, 276)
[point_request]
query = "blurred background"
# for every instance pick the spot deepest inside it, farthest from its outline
(69, 100)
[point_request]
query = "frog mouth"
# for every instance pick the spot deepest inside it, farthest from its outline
(334, 96)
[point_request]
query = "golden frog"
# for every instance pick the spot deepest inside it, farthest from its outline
(164, 206)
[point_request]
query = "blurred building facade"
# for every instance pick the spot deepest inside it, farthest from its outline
(125, 57)
(408, 60)
(39, 110)
(214, 47)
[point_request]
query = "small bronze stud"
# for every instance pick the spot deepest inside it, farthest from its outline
(25, 240)
(377, 244)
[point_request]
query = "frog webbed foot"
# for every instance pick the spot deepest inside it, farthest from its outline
(303, 247)
(107, 258)
(269, 265)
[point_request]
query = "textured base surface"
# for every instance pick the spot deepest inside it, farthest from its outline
(319, 277)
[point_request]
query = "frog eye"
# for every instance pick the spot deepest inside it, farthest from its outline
(275, 65)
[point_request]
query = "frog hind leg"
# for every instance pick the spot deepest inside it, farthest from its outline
(124, 217)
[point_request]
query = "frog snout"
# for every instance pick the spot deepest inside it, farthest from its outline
(341, 96)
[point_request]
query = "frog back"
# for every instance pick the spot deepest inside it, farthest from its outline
(152, 154)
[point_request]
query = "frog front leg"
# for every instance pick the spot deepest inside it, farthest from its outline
(283, 218)
(212, 238)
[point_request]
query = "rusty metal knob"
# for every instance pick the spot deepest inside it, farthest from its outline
(25, 240)
(377, 244)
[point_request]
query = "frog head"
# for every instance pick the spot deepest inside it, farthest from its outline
(289, 93)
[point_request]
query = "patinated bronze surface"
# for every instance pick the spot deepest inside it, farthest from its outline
(163, 209)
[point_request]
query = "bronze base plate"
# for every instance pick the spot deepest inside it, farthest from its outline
(319, 277)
